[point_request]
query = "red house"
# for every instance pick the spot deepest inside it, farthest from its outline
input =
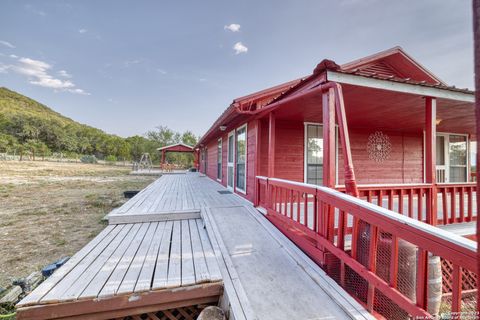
(382, 128)
(398, 126)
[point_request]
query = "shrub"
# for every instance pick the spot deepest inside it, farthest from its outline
(88, 159)
(111, 159)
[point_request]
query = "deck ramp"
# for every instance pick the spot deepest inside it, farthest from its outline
(268, 277)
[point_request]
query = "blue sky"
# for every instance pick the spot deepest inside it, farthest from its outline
(128, 66)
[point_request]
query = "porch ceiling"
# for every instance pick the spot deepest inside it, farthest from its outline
(383, 109)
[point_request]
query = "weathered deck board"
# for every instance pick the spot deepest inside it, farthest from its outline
(161, 270)
(130, 258)
(172, 197)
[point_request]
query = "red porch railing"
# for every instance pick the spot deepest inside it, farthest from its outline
(393, 264)
(455, 203)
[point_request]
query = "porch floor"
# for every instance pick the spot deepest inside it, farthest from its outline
(134, 264)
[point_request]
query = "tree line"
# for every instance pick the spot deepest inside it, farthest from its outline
(28, 128)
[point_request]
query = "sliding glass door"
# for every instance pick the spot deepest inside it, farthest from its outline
(230, 157)
(241, 159)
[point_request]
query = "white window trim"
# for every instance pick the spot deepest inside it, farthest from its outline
(221, 159)
(246, 159)
(447, 155)
(305, 124)
(231, 133)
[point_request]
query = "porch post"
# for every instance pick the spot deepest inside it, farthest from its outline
(430, 157)
(328, 119)
(163, 156)
(328, 106)
(258, 131)
(271, 145)
(350, 181)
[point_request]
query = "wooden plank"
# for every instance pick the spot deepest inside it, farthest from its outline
(210, 256)
(153, 216)
(48, 284)
(188, 270)
(130, 280)
(77, 287)
(123, 305)
(121, 269)
(201, 270)
(161, 269)
(56, 292)
(175, 263)
(146, 275)
(96, 285)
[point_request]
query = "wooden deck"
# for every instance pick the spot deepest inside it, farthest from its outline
(174, 196)
(156, 251)
(129, 259)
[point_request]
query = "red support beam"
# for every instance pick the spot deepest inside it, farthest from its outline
(271, 145)
(328, 106)
(430, 157)
(258, 132)
(476, 41)
(350, 182)
(163, 156)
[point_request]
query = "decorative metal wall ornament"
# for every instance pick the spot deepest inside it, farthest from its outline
(378, 147)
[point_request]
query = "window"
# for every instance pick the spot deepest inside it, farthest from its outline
(458, 158)
(241, 158)
(452, 158)
(219, 159)
(230, 152)
(314, 154)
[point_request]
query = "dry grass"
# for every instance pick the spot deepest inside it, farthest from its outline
(50, 209)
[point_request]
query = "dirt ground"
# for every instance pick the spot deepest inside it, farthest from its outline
(50, 209)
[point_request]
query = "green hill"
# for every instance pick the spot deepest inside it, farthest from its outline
(29, 126)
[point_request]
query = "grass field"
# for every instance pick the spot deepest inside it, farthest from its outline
(50, 209)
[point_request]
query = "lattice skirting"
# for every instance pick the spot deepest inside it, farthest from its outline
(469, 279)
(181, 313)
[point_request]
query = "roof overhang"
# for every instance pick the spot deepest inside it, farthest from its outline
(178, 147)
(417, 89)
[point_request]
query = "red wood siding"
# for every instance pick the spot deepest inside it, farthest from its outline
(405, 164)
(289, 150)
(263, 156)
(212, 159)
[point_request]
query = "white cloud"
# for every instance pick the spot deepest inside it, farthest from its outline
(234, 27)
(82, 31)
(162, 71)
(129, 63)
(37, 73)
(13, 56)
(240, 48)
(7, 44)
(64, 74)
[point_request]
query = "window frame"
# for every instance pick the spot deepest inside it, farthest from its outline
(219, 159)
(305, 137)
(446, 165)
(231, 163)
(235, 156)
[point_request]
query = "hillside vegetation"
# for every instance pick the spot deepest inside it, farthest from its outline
(29, 128)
